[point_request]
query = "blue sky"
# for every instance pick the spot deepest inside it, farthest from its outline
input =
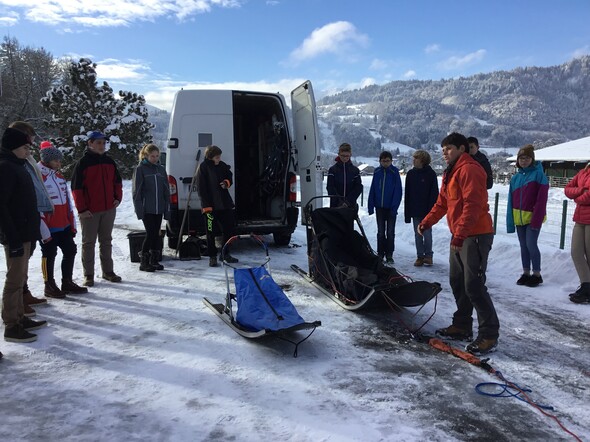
(155, 47)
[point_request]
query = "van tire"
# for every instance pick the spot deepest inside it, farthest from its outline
(282, 239)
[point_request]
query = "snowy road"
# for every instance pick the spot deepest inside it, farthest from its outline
(146, 360)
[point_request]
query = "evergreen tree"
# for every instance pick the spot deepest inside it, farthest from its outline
(25, 75)
(81, 106)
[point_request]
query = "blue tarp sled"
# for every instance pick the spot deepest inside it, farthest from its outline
(262, 306)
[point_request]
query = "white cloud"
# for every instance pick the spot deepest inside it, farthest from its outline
(435, 47)
(455, 62)
(585, 50)
(8, 18)
(378, 64)
(112, 69)
(340, 38)
(97, 13)
(410, 74)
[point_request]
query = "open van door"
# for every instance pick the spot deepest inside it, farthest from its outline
(306, 138)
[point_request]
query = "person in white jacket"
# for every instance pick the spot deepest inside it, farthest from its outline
(59, 229)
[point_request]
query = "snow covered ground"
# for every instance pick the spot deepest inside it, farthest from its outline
(146, 360)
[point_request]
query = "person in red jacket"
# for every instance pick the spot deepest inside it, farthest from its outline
(97, 189)
(59, 229)
(463, 198)
(578, 190)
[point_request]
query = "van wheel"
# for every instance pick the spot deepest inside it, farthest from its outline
(282, 239)
(172, 242)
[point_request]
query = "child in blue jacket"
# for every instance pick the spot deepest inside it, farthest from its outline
(384, 199)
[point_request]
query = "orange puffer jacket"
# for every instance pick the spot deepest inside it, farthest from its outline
(463, 198)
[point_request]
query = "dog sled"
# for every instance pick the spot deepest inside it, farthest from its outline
(344, 267)
(258, 306)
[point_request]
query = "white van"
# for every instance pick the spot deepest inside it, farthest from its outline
(265, 154)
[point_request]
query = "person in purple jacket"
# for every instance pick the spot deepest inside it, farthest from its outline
(526, 212)
(385, 197)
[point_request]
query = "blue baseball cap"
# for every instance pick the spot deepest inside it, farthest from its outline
(96, 135)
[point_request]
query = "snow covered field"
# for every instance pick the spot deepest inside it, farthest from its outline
(146, 360)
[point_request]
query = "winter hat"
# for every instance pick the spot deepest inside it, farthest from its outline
(49, 152)
(13, 139)
(528, 151)
(96, 135)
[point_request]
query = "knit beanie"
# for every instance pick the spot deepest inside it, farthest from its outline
(528, 151)
(49, 152)
(13, 139)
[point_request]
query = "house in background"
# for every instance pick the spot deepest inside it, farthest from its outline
(562, 161)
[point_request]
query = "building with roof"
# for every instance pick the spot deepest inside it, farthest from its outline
(562, 162)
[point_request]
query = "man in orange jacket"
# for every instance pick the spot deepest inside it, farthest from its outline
(463, 198)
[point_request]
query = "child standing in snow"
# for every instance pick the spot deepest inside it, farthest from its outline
(420, 195)
(151, 199)
(385, 197)
(578, 190)
(527, 207)
(214, 178)
(344, 179)
(59, 229)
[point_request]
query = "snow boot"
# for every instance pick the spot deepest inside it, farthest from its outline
(145, 265)
(212, 261)
(228, 258)
(17, 333)
(454, 332)
(69, 286)
(29, 299)
(534, 281)
(52, 290)
(582, 295)
(482, 346)
(154, 255)
(524, 278)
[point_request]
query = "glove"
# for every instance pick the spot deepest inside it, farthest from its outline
(206, 210)
(85, 214)
(116, 203)
(15, 252)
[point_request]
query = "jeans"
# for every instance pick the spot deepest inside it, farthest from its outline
(424, 241)
(529, 250)
(385, 232)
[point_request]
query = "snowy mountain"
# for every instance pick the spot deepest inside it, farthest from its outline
(539, 105)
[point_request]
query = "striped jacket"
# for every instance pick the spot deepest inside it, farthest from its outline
(527, 198)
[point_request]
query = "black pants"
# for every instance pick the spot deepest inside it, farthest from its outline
(65, 241)
(152, 224)
(225, 219)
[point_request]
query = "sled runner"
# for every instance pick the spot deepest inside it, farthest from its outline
(344, 267)
(262, 307)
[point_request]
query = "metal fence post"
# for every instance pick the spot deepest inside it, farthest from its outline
(496, 199)
(563, 221)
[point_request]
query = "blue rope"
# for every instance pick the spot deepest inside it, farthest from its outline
(505, 390)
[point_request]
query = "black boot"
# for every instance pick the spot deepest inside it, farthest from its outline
(154, 255)
(145, 265)
(582, 295)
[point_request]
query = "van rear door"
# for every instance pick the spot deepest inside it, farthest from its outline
(306, 137)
